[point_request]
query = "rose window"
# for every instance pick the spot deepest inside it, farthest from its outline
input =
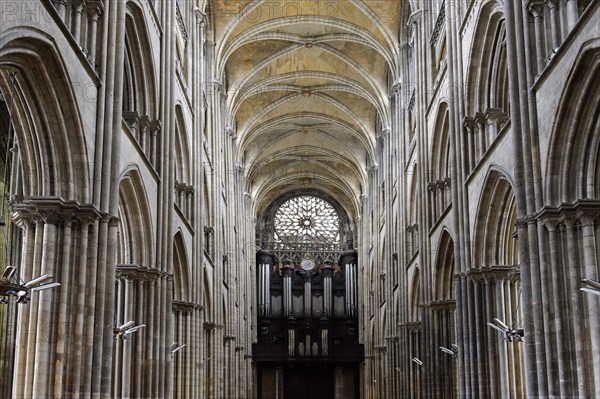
(307, 219)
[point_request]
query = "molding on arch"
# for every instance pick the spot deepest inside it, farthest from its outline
(48, 124)
(562, 156)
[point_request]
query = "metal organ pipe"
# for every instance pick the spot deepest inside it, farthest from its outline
(287, 290)
(264, 259)
(267, 273)
(307, 298)
(348, 285)
(327, 294)
(348, 260)
(353, 287)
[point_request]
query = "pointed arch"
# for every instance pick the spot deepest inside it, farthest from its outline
(208, 293)
(573, 168)
(181, 270)
(46, 117)
(444, 268)
(440, 145)
(140, 91)
(415, 295)
(495, 241)
(487, 79)
(135, 222)
(182, 150)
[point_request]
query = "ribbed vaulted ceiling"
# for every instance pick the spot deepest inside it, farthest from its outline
(307, 84)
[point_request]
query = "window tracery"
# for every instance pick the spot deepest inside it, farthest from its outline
(307, 219)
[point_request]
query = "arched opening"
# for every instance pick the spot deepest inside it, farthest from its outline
(439, 179)
(572, 226)
(487, 105)
(307, 298)
(136, 285)
(497, 287)
(140, 105)
(439, 362)
(47, 167)
(184, 190)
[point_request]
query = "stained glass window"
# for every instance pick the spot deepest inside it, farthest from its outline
(307, 219)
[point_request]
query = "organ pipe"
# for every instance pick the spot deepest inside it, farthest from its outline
(287, 290)
(349, 261)
(264, 259)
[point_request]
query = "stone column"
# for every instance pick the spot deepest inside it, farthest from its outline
(554, 24)
(23, 313)
(480, 123)
(502, 349)
(564, 354)
(76, 19)
(67, 278)
(94, 9)
(143, 138)
(30, 329)
(189, 192)
(572, 13)
(536, 9)
(469, 125)
(441, 192)
(45, 333)
(61, 8)
(431, 188)
(155, 128)
(574, 280)
(409, 244)
(590, 271)
(492, 116)
(127, 349)
(132, 118)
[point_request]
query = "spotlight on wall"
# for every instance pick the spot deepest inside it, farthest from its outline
(590, 286)
(509, 333)
(176, 347)
(414, 359)
(452, 352)
(10, 286)
(126, 329)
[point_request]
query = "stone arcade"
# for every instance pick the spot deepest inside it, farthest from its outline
(280, 199)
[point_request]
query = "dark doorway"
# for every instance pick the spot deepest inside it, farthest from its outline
(308, 382)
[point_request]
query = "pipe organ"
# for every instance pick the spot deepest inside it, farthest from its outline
(307, 342)
(307, 310)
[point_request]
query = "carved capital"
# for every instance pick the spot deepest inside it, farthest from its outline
(184, 307)
(587, 217)
(469, 123)
(493, 115)
(231, 133)
(200, 17)
(535, 8)
(155, 127)
(132, 118)
(95, 8)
